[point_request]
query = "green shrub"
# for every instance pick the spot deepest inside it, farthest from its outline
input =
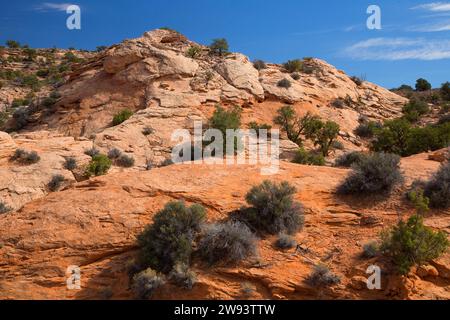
(43, 73)
(4, 208)
(367, 129)
(284, 83)
(219, 46)
(411, 243)
(226, 119)
(293, 125)
(323, 134)
(21, 117)
(293, 65)
(308, 158)
(169, 240)
(295, 76)
(12, 44)
(125, 161)
(285, 241)
(70, 164)
(438, 188)
(4, 116)
(258, 127)
(30, 81)
(193, 52)
(92, 152)
(322, 277)
(414, 109)
(122, 116)
(24, 157)
(259, 65)
(228, 243)
(99, 165)
(376, 173)
(422, 85)
(445, 91)
(274, 209)
(19, 103)
(183, 276)
(393, 137)
(56, 182)
(349, 159)
(146, 282)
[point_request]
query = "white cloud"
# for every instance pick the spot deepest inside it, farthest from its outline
(435, 27)
(394, 49)
(434, 6)
(51, 6)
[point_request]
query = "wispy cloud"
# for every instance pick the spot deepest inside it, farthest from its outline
(434, 6)
(434, 27)
(394, 49)
(51, 6)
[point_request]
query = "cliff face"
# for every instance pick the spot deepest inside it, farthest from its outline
(93, 223)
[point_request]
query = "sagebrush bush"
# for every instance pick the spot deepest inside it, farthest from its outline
(285, 241)
(182, 276)
(99, 165)
(348, 159)
(25, 157)
(56, 182)
(21, 117)
(114, 153)
(309, 158)
(367, 129)
(411, 243)
(228, 242)
(169, 240)
(122, 116)
(146, 282)
(147, 131)
(370, 249)
(295, 76)
(125, 161)
(321, 276)
(259, 65)
(438, 188)
(414, 109)
(377, 173)
(338, 103)
(284, 83)
(92, 152)
(4, 208)
(70, 164)
(293, 65)
(193, 52)
(274, 209)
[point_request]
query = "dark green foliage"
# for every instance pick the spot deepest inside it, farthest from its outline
(122, 116)
(19, 103)
(72, 58)
(322, 277)
(259, 65)
(323, 134)
(367, 129)
(414, 109)
(182, 276)
(226, 119)
(293, 65)
(422, 85)
(24, 157)
(228, 243)
(405, 87)
(445, 91)
(377, 173)
(309, 158)
(101, 48)
(258, 127)
(99, 165)
(30, 81)
(438, 188)
(285, 241)
(411, 243)
(349, 159)
(193, 52)
(295, 76)
(125, 161)
(169, 240)
(56, 182)
(21, 117)
(293, 125)
(70, 164)
(4, 208)
(219, 46)
(12, 44)
(274, 209)
(145, 283)
(43, 73)
(284, 83)
(444, 119)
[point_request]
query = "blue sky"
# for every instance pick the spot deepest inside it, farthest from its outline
(414, 40)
